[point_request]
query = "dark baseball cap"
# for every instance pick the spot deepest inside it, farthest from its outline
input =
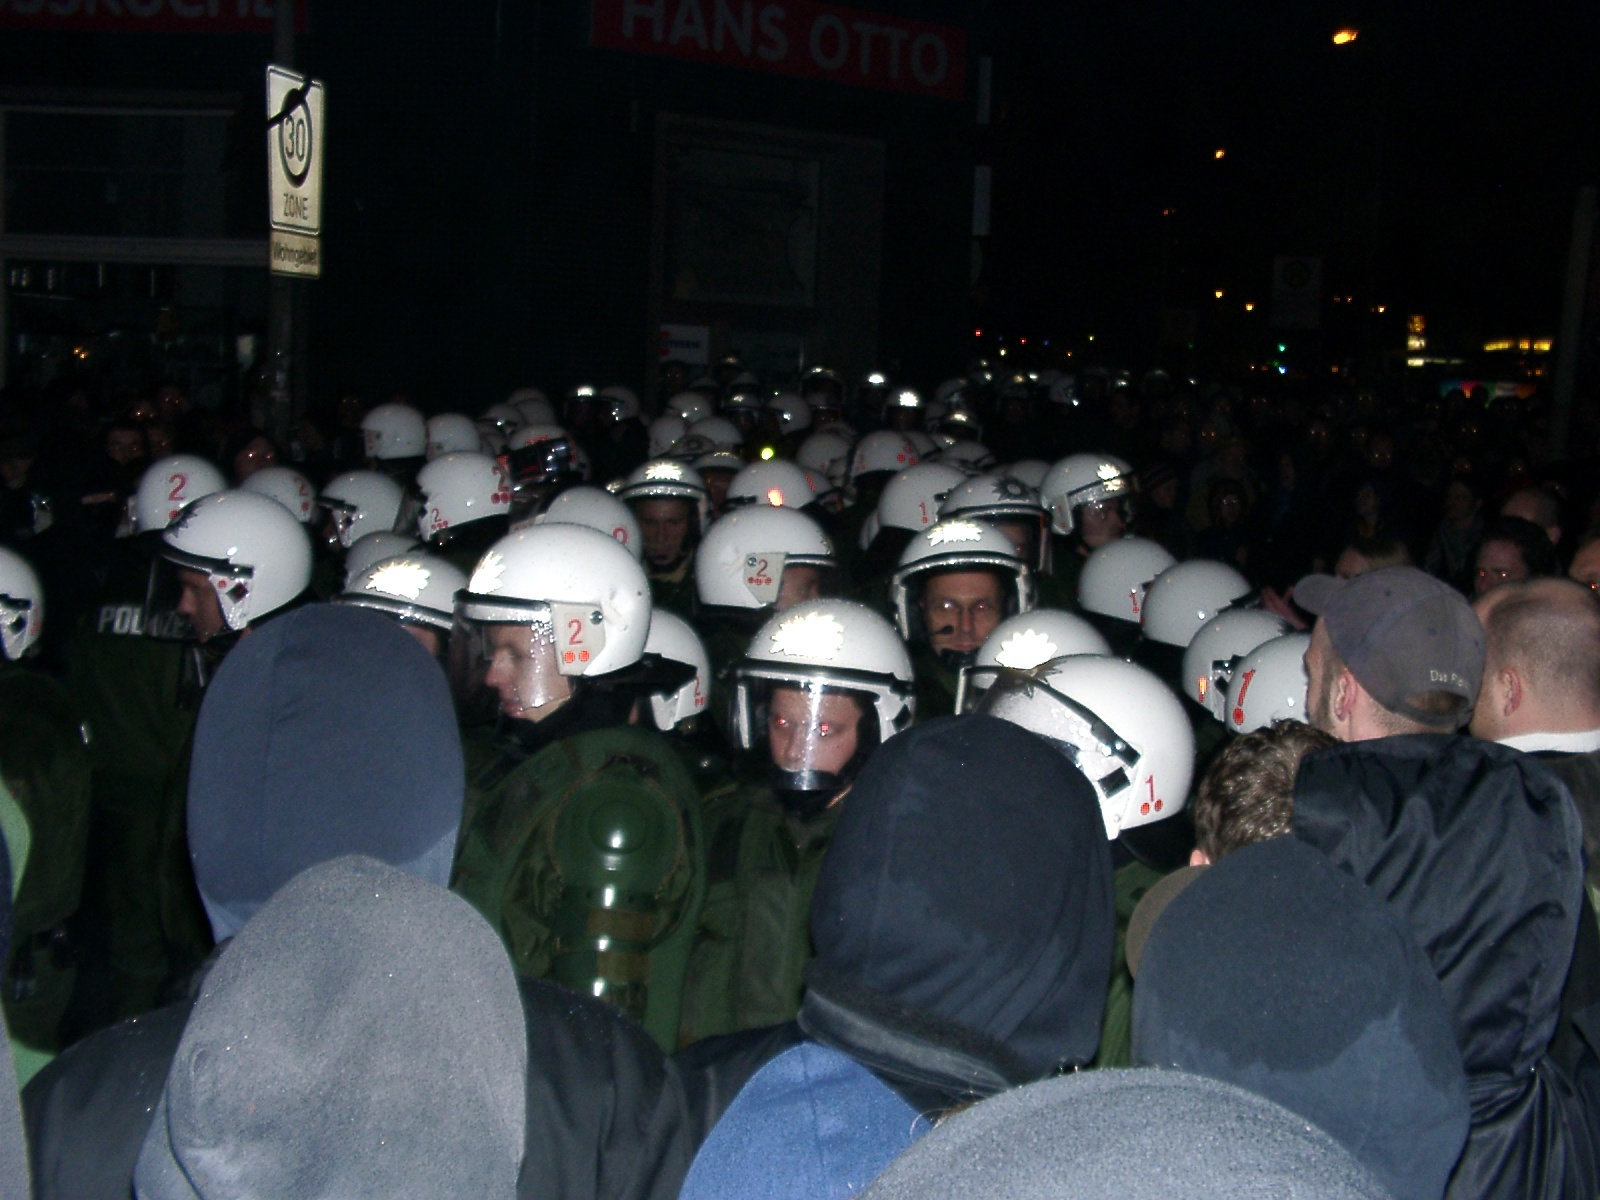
(1402, 633)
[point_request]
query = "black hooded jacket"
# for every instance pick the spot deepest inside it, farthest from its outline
(1478, 847)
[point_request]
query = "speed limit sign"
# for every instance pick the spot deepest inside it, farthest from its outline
(295, 137)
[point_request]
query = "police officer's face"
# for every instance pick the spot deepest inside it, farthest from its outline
(816, 731)
(197, 600)
(523, 671)
(1101, 523)
(961, 608)
(800, 582)
(665, 524)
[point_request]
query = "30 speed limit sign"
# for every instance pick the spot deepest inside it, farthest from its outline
(295, 137)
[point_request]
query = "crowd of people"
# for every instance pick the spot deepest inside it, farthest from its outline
(801, 793)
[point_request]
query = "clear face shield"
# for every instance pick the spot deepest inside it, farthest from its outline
(536, 473)
(338, 529)
(815, 736)
(193, 599)
(514, 669)
(1027, 533)
(15, 613)
(783, 581)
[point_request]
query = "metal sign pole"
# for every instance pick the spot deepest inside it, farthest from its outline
(278, 402)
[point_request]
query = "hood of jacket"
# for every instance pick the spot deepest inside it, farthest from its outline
(1276, 971)
(362, 1035)
(1478, 848)
(328, 731)
(964, 916)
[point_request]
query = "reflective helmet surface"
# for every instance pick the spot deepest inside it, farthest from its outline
(1185, 596)
(827, 643)
(1022, 642)
(394, 431)
(912, 498)
(957, 545)
(458, 489)
(674, 639)
(374, 547)
(663, 434)
(288, 487)
(583, 590)
(1081, 479)
(1269, 684)
(256, 556)
(667, 479)
(1030, 471)
(790, 412)
(451, 433)
(362, 502)
(826, 454)
(882, 450)
(414, 587)
(170, 483)
(21, 604)
(719, 431)
(1209, 659)
(691, 406)
(598, 509)
(743, 557)
(1114, 577)
(1119, 724)
(776, 483)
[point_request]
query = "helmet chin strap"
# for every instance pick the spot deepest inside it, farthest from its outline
(806, 794)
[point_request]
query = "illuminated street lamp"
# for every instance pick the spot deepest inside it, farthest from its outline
(1344, 37)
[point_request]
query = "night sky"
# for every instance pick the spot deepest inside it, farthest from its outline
(1477, 122)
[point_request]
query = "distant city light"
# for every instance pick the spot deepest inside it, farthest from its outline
(1217, 293)
(977, 333)
(1250, 306)
(1344, 37)
(1002, 351)
(1221, 153)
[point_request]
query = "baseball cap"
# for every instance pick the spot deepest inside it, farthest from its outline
(1402, 633)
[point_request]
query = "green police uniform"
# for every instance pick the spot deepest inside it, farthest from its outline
(587, 856)
(753, 939)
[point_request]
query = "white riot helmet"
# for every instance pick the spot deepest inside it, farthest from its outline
(1114, 577)
(826, 454)
(957, 545)
(545, 605)
(170, 483)
(674, 639)
(665, 479)
(747, 557)
(1269, 684)
(1012, 507)
(621, 403)
(1187, 595)
(1120, 725)
(1081, 479)
(21, 604)
(794, 680)
(394, 431)
(663, 434)
(970, 456)
(254, 554)
(776, 483)
(1022, 642)
(503, 418)
(417, 588)
(912, 498)
(598, 509)
(788, 414)
(882, 450)
(691, 406)
(452, 433)
(1030, 471)
(719, 431)
(374, 547)
(1209, 659)
(361, 502)
(533, 406)
(458, 489)
(288, 487)
(922, 443)
(904, 398)
(538, 459)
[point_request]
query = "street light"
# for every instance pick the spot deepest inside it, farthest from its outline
(1344, 37)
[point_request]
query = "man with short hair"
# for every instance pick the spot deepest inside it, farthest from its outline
(1475, 846)
(1539, 505)
(1393, 651)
